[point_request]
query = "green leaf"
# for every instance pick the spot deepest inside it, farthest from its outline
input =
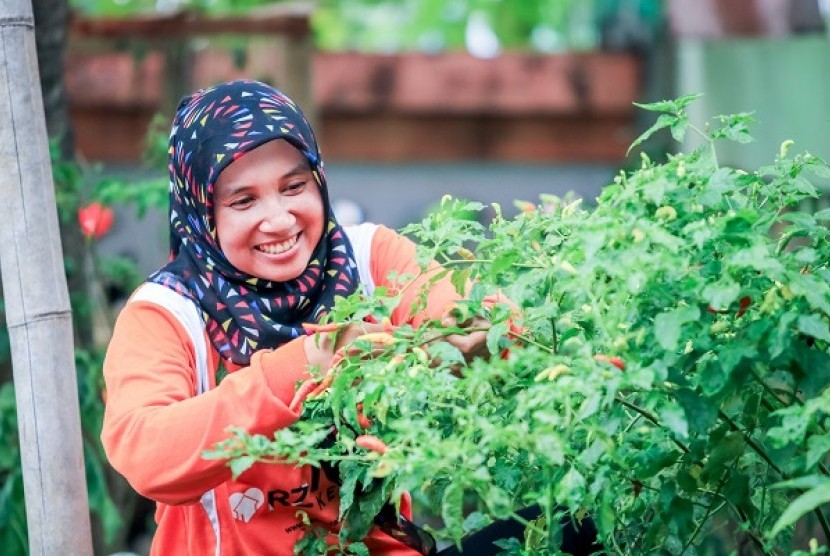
(722, 453)
(682, 512)
(476, 521)
(712, 377)
(735, 128)
(817, 448)
(446, 353)
(674, 418)
(678, 128)
(669, 105)
(452, 506)
(503, 262)
(667, 325)
(823, 214)
(365, 507)
(358, 549)
(720, 295)
(806, 482)
(820, 169)
(655, 190)
(499, 502)
(700, 412)
(665, 120)
(802, 505)
(494, 336)
(722, 182)
(813, 325)
(350, 474)
(459, 279)
(241, 464)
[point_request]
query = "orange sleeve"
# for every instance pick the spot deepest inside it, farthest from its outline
(391, 251)
(155, 427)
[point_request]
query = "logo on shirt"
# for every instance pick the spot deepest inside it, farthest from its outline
(245, 504)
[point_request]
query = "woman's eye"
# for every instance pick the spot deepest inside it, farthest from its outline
(241, 202)
(295, 186)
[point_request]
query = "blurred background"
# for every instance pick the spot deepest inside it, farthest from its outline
(492, 100)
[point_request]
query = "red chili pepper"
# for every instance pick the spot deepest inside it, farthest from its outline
(303, 392)
(743, 305)
(616, 361)
(372, 443)
(637, 487)
(362, 420)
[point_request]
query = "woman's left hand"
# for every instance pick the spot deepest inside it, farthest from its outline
(472, 344)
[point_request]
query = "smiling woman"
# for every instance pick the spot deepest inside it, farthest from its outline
(222, 335)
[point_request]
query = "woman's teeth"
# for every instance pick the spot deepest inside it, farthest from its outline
(277, 248)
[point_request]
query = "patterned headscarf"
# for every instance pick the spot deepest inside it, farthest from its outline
(244, 313)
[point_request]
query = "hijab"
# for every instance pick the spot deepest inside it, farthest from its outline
(244, 313)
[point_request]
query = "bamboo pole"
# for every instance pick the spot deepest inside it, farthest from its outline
(38, 314)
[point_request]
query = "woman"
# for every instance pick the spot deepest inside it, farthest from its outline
(256, 252)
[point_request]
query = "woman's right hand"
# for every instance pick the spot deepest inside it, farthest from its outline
(324, 349)
(321, 346)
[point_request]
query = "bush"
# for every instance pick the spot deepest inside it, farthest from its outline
(670, 378)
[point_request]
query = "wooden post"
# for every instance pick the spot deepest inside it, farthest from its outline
(38, 314)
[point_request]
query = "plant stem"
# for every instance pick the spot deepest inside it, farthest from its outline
(709, 512)
(533, 342)
(708, 140)
(461, 262)
(527, 524)
(652, 419)
(555, 335)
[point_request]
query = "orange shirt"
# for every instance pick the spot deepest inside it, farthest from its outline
(156, 426)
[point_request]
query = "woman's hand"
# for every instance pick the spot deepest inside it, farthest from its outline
(325, 347)
(472, 344)
(321, 347)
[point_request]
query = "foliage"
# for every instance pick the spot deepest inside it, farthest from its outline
(705, 284)
(429, 25)
(12, 510)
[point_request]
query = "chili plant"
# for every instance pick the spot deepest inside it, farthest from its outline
(669, 377)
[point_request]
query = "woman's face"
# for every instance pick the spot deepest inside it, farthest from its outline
(268, 212)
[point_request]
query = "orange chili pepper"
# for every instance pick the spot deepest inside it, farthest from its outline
(316, 328)
(303, 392)
(372, 443)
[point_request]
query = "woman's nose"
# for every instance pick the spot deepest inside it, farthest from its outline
(276, 218)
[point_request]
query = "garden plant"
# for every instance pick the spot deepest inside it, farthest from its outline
(666, 372)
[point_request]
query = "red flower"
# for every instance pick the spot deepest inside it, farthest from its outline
(95, 220)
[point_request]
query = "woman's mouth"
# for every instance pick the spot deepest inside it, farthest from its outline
(278, 247)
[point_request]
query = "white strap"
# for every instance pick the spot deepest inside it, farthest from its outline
(189, 317)
(360, 237)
